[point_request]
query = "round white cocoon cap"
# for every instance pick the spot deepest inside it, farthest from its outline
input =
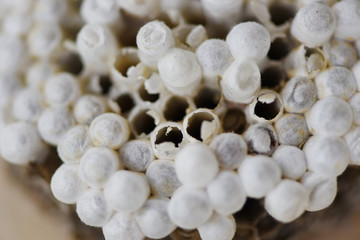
(153, 218)
(292, 129)
(140, 8)
(96, 46)
(230, 149)
(50, 10)
(218, 227)
(291, 161)
(12, 54)
(322, 191)
(92, 209)
(355, 105)
(27, 105)
(259, 175)
(348, 19)
(136, 155)
(248, 41)
(287, 201)
(180, 71)
(109, 130)
(226, 193)
(196, 165)
(154, 39)
(10, 85)
(54, 123)
(162, 178)
(340, 53)
(44, 39)
(222, 10)
(356, 71)
(299, 94)
(74, 144)
(241, 81)
(95, 11)
(88, 107)
(336, 81)
(17, 24)
(327, 155)
(20, 143)
(122, 226)
(61, 89)
(126, 191)
(313, 24)
(38, 73)
(98, 165)
(66, 184)
(225, 12)
(330, 116)
(189, 208)
(352, 139)
(214, 57)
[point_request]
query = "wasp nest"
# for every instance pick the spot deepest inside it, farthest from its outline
(162, 122)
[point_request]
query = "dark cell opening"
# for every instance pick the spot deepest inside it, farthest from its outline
(46, 168)
(181, 233)
(234, 120)
(267, 225)
(281, 12)
(146, 96)
(267, 111)
(71, 29)
(105, 84)
(207, 98)
(195, 122)
(251, 212)
(272, 77)
(123, 63)
(143, 123)
(173, 135)
(279, 49)
(130, 26)
(175, 109)
(71, 62)
(125, 102)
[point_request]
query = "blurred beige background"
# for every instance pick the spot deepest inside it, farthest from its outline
(21, 218)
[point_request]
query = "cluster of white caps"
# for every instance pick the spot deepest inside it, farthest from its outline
(150, 137)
